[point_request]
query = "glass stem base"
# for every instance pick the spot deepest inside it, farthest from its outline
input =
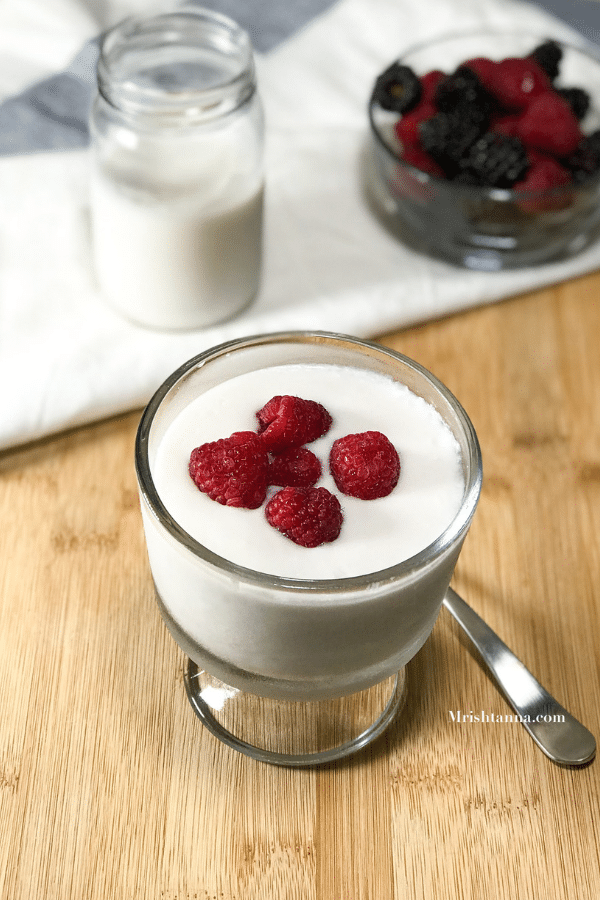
(293, 732)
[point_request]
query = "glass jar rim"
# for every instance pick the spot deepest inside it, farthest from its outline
(188, 87)
(404, 569)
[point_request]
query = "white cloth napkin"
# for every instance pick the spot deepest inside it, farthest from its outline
(67, 359)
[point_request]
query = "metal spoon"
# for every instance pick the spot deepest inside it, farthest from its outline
(556, 732)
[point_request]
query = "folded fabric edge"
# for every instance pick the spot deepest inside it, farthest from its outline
(17, 435)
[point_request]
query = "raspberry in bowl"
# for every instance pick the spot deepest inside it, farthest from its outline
(305, 497)
(486, 149)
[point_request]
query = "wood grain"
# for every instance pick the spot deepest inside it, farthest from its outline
(110, 787)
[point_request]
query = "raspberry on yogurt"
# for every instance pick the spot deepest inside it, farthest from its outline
(395, 527)
(307, 516)
(296, 467)
(287, 421)
(365, 465)
(234, 471)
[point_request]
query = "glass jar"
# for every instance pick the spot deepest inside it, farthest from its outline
(177, 173)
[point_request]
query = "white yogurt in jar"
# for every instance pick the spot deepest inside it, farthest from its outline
(176, 262)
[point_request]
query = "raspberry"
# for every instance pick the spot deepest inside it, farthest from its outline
(429, 82)
(365, 465)
(544, 174)
(549, 125)
(506, 124)
(287, 421)
(407, 128)
(397, 89)
(307, 516)
(548, 57)
(484, 68)
(233, 471)
(515, 82)
(415, 156)
(296, 467)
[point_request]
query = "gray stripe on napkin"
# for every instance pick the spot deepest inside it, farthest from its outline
(583, 15)
(53, 114)
(271, 23)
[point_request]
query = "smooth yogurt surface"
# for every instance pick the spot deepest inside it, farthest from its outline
(375, 534)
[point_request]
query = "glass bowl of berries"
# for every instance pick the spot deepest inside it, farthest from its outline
(487, 148)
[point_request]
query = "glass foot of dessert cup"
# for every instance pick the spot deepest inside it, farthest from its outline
(291, 727)
(294, 733)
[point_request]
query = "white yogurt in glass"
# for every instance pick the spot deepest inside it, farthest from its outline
(245, 603)
(375, 534)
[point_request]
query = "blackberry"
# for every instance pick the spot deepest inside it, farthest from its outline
(461, 89)
(495, 160)
(466, 177)
(578, 99)
(448, 137)
(584, 162)
(548, 57)
(397, 89)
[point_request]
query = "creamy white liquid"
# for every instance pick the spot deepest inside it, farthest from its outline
(375, 534)
(176, 261)
(336, 638)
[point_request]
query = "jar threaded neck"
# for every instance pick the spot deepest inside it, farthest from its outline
(192, 65)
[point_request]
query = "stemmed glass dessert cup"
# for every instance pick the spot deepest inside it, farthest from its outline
(290, 671)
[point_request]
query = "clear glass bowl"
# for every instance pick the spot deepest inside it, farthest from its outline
(486, 228)
(302, 646)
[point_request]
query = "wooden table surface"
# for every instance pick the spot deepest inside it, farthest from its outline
(111, 788)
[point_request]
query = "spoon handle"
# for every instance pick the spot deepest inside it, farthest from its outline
(556, 732)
